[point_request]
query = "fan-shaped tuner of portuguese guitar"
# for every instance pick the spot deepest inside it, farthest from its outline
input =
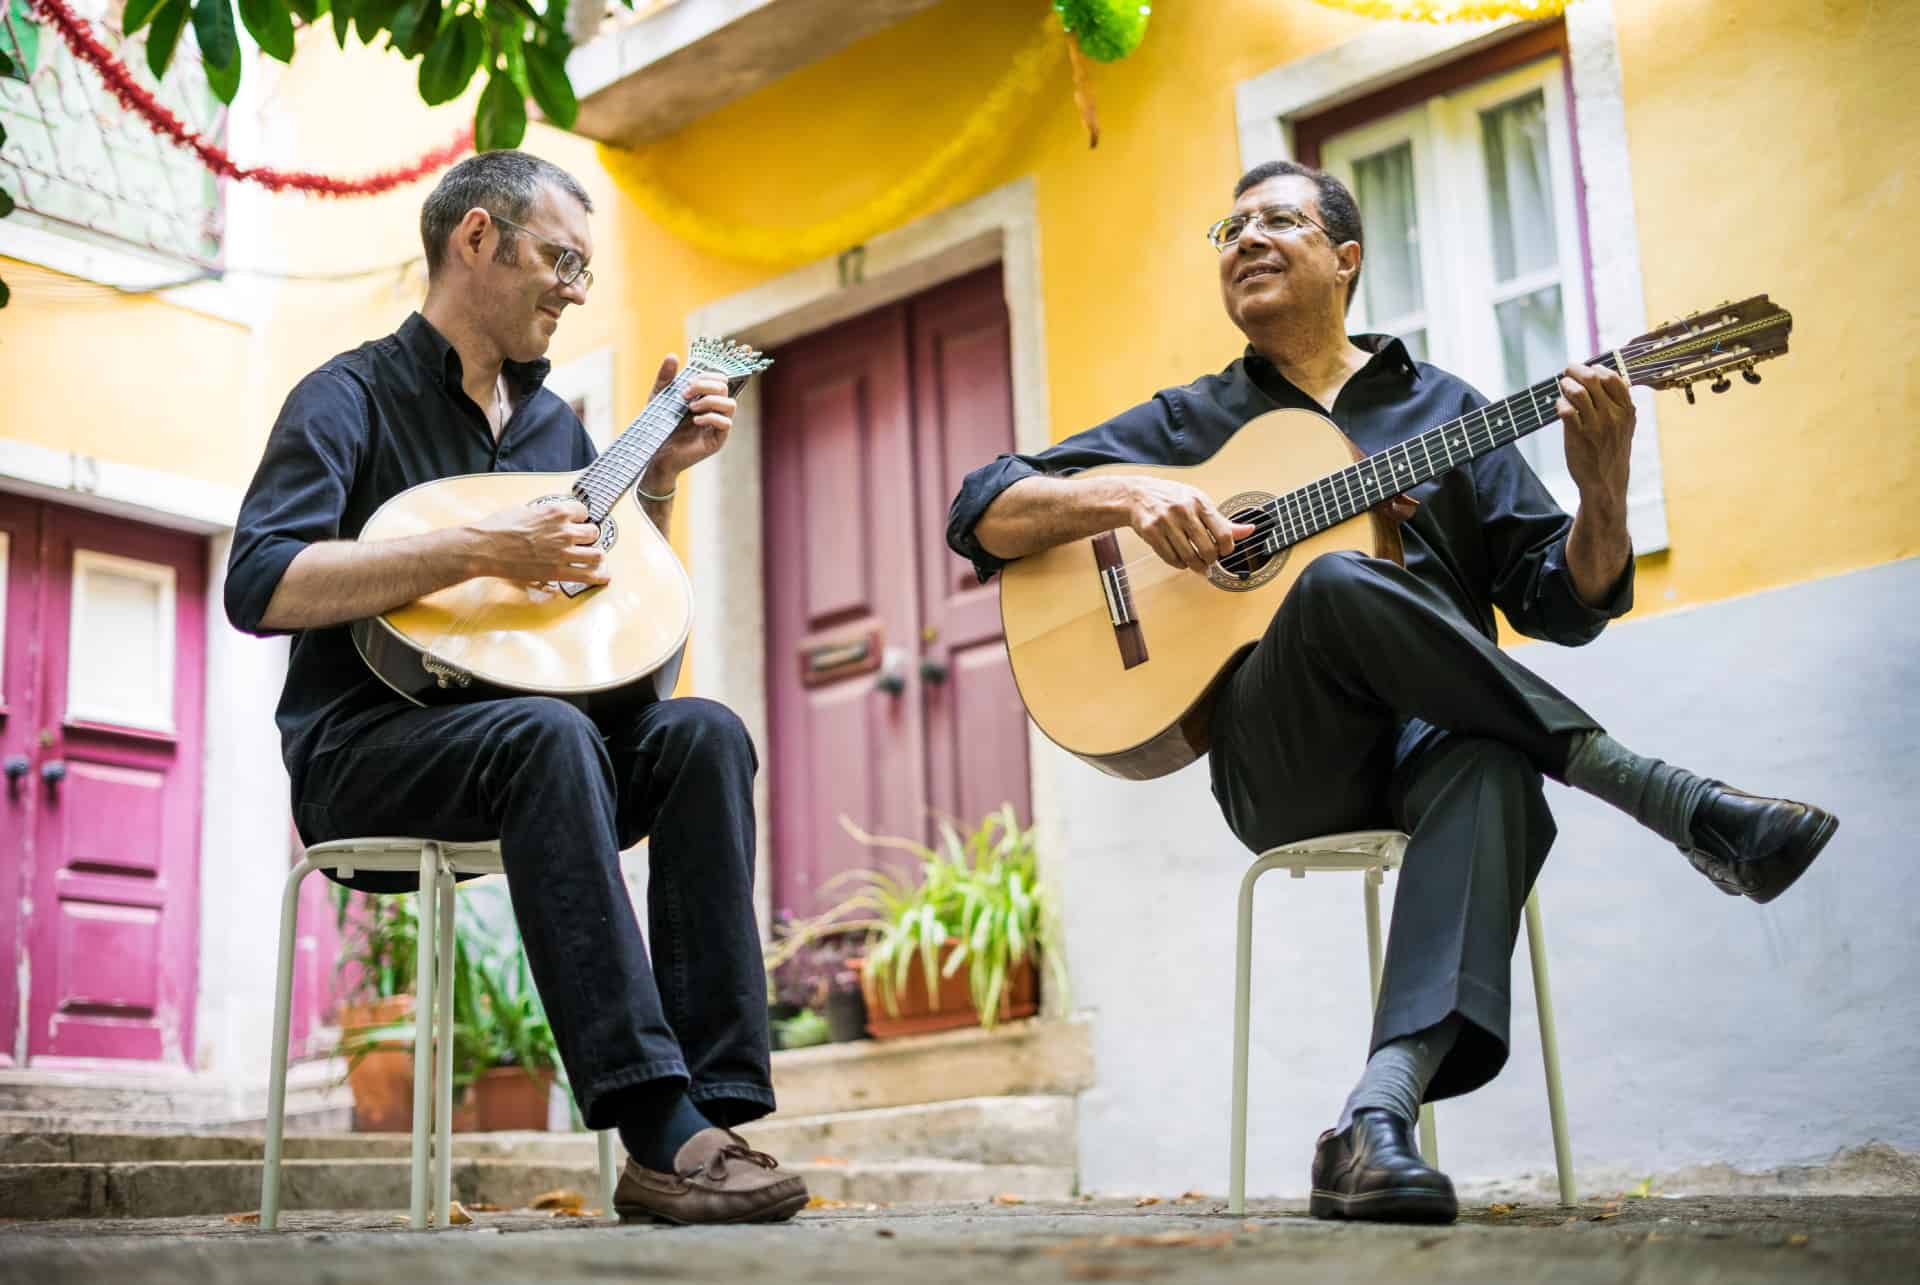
(597, 646)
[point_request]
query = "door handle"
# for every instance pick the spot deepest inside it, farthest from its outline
(892, 678)
(16, 767)
(53, 773)
(933, 669)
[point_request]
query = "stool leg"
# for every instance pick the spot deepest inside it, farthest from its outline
(1429, 1136)
(607, 1175)
(423, 1035)
(1242, 1002)
(444, 938)
(1370, 882)
(1550, 1051)
(282, 1022)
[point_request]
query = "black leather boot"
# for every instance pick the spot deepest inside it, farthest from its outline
(1372, 1170)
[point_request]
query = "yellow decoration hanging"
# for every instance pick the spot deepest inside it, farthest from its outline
(941, 180)
(1449, 10)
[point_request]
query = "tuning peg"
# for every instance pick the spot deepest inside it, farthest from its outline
(1721, 384)
(1751, 375)
(1688, 390)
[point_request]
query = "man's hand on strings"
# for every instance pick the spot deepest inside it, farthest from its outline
(1180, 523)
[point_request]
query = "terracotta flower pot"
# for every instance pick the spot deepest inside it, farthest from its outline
(1019, 998)
(506, 1097)
(382, 1080)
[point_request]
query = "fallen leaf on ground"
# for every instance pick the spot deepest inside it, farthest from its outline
(1109, 1272)
(562, 1198)
(1153, 1240)
(249, 1219)
(1144, 1201)
(482, 1207)
(1188, 1197)
(1008, 1198)
(1604, 1214)
(457, 1214)
(1500, 1209)
(829, 1160)
(887, 1232)
(1798, 1239)
(821, 1202)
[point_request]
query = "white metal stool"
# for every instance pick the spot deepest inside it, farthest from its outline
(436, 863)
(1373, 852)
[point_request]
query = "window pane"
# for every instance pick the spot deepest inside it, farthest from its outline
(1533, 343)
(1519, 186)
(119, 658)
(1390, 274)
(1416, 342)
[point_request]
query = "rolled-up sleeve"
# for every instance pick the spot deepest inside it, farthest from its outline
(298, 494)
(1526, 545)
(1146, 434)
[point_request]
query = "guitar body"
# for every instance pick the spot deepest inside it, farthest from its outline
(612, 646)
(1149, 718)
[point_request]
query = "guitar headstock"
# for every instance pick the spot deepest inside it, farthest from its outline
(733, 361)
(1710, 345)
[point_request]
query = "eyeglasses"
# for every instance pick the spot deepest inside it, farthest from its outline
(569, 267)
(1276, 220)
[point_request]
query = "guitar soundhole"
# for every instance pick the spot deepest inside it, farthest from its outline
(1256, 559)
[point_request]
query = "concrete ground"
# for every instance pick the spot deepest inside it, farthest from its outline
(1691, 1239)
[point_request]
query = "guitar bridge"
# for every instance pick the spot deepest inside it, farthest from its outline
(1119, 595)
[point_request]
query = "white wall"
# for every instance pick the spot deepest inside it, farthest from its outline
(1694, 1027)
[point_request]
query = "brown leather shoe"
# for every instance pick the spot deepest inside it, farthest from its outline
(716, 1178)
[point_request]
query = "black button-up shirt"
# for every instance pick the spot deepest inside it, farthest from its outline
(365, 426)
(1486, 533)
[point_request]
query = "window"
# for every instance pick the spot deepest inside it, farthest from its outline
(81, 165)
(1473, 253)
(1501, 239)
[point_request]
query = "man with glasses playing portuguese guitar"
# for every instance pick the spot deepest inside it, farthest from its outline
(1377, 697)
(669, 1046)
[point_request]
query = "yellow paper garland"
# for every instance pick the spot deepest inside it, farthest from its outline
(1449, 10)
(939, 181)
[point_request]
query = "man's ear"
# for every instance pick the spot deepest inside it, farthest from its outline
(471, 233)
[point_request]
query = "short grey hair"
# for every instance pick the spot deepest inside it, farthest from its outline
(506, 183)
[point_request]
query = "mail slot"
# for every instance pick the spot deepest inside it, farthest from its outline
(828, 660)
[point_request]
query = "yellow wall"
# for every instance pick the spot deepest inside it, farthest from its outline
(1769, 147)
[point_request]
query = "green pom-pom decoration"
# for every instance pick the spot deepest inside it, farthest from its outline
(1108, 30)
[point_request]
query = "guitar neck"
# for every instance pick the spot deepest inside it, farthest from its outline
(622, 465)
(1337, 497)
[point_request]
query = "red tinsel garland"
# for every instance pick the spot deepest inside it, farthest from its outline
(135, 98)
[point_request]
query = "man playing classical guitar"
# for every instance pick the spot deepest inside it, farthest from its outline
(673, 1050)
(1377, 697)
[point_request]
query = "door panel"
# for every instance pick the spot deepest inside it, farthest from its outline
(840, 591)
(113, 934)
(976, 727)
(19, 692)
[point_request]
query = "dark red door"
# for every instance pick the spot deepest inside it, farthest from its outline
(889, 696)
(19, 638)
(103, 748)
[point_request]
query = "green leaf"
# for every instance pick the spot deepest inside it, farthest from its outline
(342, 21)
(309, 11)
(516, 64)
(224, 81)
(137, 14)
(6, 203)
(415, 26)
(271, 23)
(7, 67)
(371, 17)
(21, 38)
(172, 16)
(547, 73)
(501, 119)
(5, 294)
(219, 43)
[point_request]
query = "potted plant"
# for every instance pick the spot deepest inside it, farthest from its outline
(511, 1058)
(976, 905)
(380, 939)
(810, 970)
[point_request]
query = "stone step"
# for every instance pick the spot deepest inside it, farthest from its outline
(1013, 1060)
(898, 1182)
(148, 1101)
(1026, 1130)
(147, 1148)
(181, 1188)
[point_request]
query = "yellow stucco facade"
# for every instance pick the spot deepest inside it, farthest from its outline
(1772, 148)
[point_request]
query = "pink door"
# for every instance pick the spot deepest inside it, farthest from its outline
(19, 612)
(103, 742)
(889, 696)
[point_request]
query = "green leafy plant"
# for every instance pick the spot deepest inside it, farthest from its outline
(803, 1029)
(975, 902)
(19, 50)
(380, 939)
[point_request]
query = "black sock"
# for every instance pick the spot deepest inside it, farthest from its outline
(653, 1127)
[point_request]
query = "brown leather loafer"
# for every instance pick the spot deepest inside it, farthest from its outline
(716, 1178)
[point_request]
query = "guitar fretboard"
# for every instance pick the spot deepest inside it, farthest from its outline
(1290, 518)
(621, 465)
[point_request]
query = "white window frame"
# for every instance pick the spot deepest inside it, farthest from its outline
(75, 252)
(1391, 53)
(89, 560)
(1458, 289)
(589, 380)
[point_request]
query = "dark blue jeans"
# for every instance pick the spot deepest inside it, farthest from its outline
(564, 796)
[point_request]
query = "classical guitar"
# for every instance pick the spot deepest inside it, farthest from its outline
(1118, 655)
(598, 646)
